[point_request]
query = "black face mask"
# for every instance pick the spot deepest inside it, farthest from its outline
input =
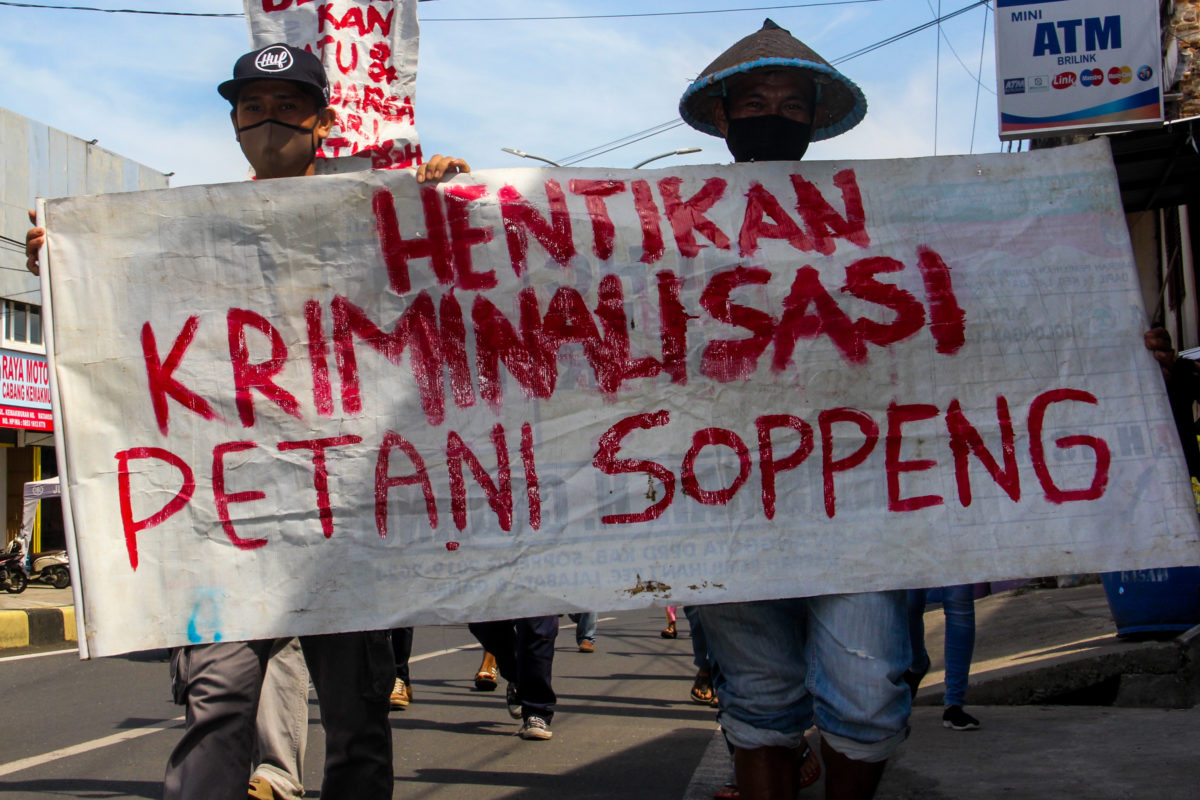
(767, 138)
(259, 124)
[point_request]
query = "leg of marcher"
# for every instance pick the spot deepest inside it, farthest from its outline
(758, 651)
(500, 639)
(219, 684)
(959, 607)
(858, 649)
(766, 773)
(670, 631)
(401, 696)
(535, 665)
(847, 779)
(486, 675)
(402, 642)
(585, 626)
(281, 728)
(958, 603)
(916, 634)
(353, 674)
(699, 641)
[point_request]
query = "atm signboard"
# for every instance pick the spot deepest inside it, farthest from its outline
(1069, 66)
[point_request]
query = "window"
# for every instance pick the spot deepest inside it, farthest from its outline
(22, 323)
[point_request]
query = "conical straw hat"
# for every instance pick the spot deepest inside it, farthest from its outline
(840, 103)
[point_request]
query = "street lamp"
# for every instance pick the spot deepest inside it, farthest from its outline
(523, 154)
(683, 151)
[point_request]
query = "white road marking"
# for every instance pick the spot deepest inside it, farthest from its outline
(74, 650)
(86, 747)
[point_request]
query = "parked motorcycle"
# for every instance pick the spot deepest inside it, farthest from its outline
(12, 569)
(51, 567)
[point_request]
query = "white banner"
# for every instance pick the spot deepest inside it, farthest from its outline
(1077, 65)
(369, 49)
(347, 402)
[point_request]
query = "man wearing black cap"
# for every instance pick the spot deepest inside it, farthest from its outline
(280, 115)
(837, 660)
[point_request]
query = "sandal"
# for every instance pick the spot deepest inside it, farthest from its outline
(669, 632)
(807, 759)
(486, 680)
(702, 688)
(727, 792)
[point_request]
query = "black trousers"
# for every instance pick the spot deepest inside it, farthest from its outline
(524, 651)
(220, 685)
(402, 639)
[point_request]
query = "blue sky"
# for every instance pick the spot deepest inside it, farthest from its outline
(145, 86)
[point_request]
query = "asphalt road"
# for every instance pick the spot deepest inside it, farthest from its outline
(625, 725)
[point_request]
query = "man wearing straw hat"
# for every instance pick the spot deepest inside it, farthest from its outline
(836, 661)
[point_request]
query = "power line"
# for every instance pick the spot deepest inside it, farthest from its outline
(937, 79)
(457, 19)
(904, 34)
(132, 10)
(583, 155)
(119, 10)
(978, 83)
(650, 13)
(975, 76)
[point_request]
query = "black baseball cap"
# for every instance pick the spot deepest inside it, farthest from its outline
(280, 62)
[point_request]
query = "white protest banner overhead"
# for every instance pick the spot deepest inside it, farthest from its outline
(369, 49)
(1069, 66)
(350, 402)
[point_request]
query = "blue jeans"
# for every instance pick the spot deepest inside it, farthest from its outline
(958, 604)
(585, 626)
(699, 640)
(837, 661)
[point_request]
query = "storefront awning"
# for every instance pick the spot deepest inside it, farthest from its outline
(1158, 167)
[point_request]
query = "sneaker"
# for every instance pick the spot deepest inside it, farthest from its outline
(587, 646)
(956, 719)
(514, 702)
(535, 727)
(401, 695)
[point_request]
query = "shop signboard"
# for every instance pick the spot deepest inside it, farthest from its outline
(24, 391)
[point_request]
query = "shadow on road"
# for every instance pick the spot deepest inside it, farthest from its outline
(651, 771)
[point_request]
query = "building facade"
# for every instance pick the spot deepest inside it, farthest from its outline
(38, 161)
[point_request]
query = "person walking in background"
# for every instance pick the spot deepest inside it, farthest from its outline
(402, 694)
(670, 632)
(585, 631)
(524, 651)
(958, 605)
(702, 686)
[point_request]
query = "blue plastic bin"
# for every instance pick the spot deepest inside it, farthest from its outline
(1154, 600)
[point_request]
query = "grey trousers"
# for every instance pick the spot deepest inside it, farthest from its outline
(281, 728)
(220, 684)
